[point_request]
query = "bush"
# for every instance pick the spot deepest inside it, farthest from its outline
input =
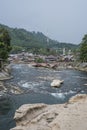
(39, 60)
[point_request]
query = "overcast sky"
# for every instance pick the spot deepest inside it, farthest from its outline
(62, 20)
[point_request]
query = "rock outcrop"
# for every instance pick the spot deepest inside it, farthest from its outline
(4, 75)
(68, 116)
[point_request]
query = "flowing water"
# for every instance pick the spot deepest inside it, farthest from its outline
(36, 85)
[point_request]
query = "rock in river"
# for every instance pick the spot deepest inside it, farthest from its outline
(57, 83)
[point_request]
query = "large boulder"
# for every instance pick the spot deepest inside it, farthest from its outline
(57, 83)
(69, 116)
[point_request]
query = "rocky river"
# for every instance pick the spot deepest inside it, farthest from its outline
(35, 84)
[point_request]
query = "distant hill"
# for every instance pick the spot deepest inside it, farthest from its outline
(34, 40)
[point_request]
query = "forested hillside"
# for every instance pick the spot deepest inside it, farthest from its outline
(34, 41)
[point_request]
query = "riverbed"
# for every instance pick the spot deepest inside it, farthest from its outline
(35, 82)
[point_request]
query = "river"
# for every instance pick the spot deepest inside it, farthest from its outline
(35, 83)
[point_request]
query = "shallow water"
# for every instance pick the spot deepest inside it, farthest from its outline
(36, 85)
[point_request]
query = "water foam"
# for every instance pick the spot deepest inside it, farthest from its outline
(58, 95)
(62, 95)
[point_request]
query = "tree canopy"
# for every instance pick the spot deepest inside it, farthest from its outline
(5, 46)
(83, 49)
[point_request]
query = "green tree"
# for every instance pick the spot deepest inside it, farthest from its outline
(83, 49)
(5, 46)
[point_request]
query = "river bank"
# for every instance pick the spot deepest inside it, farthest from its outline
(69, 116)
(60, 65)
(5, 75)
(81, 66)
